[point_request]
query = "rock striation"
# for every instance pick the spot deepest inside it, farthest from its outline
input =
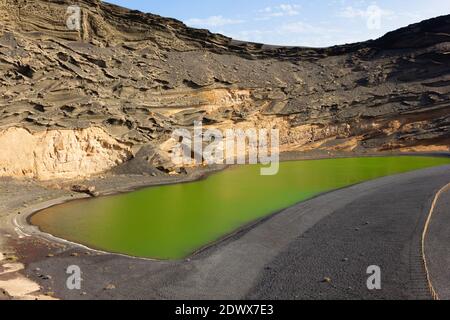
(126, 80)
(59, 154)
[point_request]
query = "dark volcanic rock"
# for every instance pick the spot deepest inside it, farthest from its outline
(89, 190)
(140, 76)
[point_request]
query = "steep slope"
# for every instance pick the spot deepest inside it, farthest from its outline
(140, 76)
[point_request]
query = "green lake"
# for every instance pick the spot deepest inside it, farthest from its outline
(173, 221)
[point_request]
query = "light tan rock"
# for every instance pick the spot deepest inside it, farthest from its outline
(11, 267)
(59, 154)
(111, 74)
(19, 286)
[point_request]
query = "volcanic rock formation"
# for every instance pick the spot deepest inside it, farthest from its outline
(130, 79)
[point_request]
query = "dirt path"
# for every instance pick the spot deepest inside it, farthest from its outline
(437, 246)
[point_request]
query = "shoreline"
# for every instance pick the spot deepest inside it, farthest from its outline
(133, 183)
(24, 220)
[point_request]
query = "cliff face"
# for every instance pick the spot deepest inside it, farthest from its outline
(59, 154)
(139, 77)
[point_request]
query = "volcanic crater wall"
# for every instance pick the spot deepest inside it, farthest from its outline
(59, 154)
(138, 77)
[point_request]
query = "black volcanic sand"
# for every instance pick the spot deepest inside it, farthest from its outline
(335, 236)
(389, 93)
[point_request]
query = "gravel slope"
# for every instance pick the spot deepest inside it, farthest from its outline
(381, 227)
(287, 256)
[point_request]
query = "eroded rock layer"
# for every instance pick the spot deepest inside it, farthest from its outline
(54, 154)
(140, 76)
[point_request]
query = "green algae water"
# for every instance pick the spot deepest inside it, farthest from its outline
(173, 221)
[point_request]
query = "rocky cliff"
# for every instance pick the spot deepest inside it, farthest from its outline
(137, 77)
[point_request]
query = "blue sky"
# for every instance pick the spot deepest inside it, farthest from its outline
(295, 22)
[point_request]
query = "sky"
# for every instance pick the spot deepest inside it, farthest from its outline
(309, 23)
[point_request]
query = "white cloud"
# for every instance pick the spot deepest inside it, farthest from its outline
(282, 10)
(213, 21)
(351, 12)
(373, 15)
(297, 27)
(295, 34)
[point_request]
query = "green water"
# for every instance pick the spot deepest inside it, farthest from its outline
(171, 222)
